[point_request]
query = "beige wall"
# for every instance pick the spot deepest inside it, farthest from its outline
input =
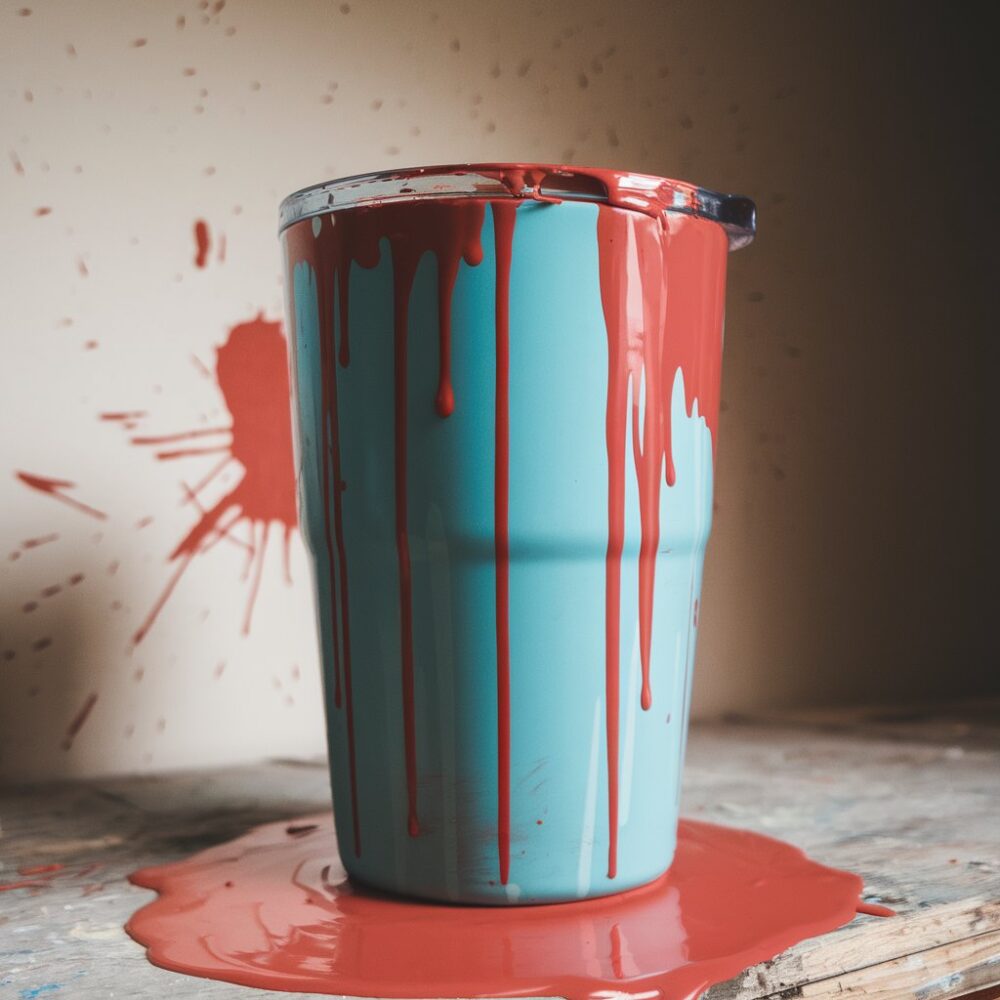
(847, 561)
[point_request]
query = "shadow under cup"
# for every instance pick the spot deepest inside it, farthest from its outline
(506, 392)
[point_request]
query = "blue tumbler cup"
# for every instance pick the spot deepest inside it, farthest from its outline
(506, 395)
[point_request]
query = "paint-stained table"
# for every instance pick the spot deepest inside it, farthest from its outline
(908, 799)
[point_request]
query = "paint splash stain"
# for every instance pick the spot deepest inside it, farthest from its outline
(54, 488)
(202, 243)
(251, 371)
(73, 729)
(34, 543)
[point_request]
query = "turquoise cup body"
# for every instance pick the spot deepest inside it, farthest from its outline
(478, 692)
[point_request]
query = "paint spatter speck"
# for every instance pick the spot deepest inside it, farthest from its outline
(202, 243)
(79, 720)
(16, 163)
(56, 488)
(34, 543)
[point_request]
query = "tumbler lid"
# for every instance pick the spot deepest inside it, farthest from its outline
(541, 182)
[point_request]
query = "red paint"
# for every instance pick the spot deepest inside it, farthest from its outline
(504, 216)
(642, 193)
(202, 243)
(122, 416)
(54, 488)
(662, 285)
(252, 373)
(875, 909)
(40, 869)
(449, 230)
(34, 543)
(274, 910)
(78, 720)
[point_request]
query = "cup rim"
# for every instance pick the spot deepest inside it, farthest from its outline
(625, 189)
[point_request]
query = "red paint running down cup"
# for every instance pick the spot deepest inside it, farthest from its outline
(506, 385)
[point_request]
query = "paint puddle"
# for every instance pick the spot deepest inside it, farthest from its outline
(274, 909)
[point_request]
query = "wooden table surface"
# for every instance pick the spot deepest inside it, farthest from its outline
(910, 800)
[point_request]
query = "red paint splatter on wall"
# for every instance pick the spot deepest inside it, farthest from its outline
(34, 543)
(54, 488)
(78, 720)
(202, 243)
(252, 374)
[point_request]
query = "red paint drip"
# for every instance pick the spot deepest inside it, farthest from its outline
(875, 909)
(252, 373)
(504, 216)
(79, 720)
(450, 230)
(662, 283)
(274, 910)
(54, 488)
(202, 243)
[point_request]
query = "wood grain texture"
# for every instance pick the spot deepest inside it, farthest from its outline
(909, 800)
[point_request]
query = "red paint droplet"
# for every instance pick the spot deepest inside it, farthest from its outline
(51, 591)
(29, 607)
(34, 543)
(42, 211)
(75, 579)
(41, 644)
(139, 43)
(54, 488)
(16, 163)
(78, 721)
(202, 243)
(90, 345)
